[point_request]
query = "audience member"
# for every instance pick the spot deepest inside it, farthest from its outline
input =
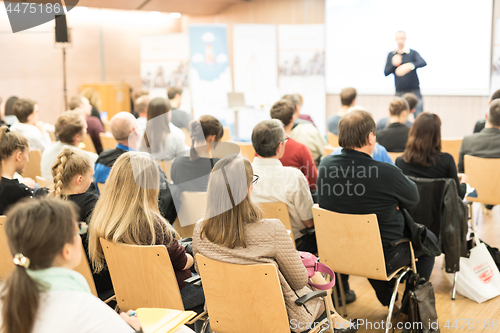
(141, 106)
(162, 139)
(9, 114)
(395, 136)
(371, 188)
(94, 124)
(133, 100)
(125, 131)
(379, 154)
(480, 124)
(71, 129)
(278, 183)
(347, 100)
(423, 157)
(412, 100)
(180, 118)
(296, 154)
(94, 99)
(14, 149)
(305, 132)
(127, 212)
(29, 125)
(43, 288)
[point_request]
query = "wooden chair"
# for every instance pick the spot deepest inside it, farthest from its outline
(143, 277)
(6, 263)
(333, 140)
(107, 141)
(166, 166)
(484, 176)
(245, 298)
(246, 150)
(33, 168)
(278, 210)
(394, 156)
(88, 145)
(452, 147)
(356, 249)
(52, 136)
(49, 183)
(84, 269)
(227, 135)
(192, 209)
(329, 150)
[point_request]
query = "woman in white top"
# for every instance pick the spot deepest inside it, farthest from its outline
(44, 293)
(159, 140)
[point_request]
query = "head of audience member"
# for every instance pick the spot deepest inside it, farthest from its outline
(357, 131)
(284, 110)
(71, 127)
(141, 105)
(424, 140)
(72, 172)
(348, 97)
(140, 93)
(493, 116)
(93, 97)
(125, 129)
(399, 110)
(269, 138)
(412, 101)
(41, 234)
(9, 106)
(297, 100)
(175, 96)
(128, 209)
(205, 133)
(26, 111)
(81, 103)
(14, 150)
(158, 129)
(401, 39)
(229, 206)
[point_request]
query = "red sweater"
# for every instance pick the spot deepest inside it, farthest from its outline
(298, 156)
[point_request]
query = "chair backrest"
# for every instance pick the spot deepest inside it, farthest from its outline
(226, 136)
(333, 140)
(484, 177)
(142, 276)
(452, 147)
(166, 166)
(6, 263)
(84, 269)
(107, 141)
(394, 156)
(52, 136)
(246, 150)
(49, 183)
(192, 209)
(88, 145)
(243, 298)
(33, 168)
(350, 244)
(278, 210)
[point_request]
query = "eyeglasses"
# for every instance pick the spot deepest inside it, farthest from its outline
(82, 228)
(255, 179)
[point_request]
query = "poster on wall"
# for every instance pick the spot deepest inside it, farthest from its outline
(301, 61)
(255, 57)
(165, 64)
(210, 72)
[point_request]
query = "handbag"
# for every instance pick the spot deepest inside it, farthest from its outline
(312, 265)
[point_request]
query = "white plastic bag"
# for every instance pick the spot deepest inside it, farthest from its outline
(478, 278)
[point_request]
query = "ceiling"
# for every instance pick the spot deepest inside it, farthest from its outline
(187, 7)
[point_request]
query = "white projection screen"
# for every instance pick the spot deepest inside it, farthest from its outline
(453, 37)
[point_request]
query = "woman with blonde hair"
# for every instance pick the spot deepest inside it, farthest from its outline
(95, 100)
(127, 212)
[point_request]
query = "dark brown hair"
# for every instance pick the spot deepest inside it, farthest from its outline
(203, 128)
(397, 106)
(173, 91)
(355, 128)
(495, 95)
(283, 110)
(159, 129)
(347, 95)
(23, 108)
(69, 124)
(494, 113)
(424, 140)
(412, 100)
(38, 229)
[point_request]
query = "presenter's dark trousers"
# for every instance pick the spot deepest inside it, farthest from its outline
(420, 106)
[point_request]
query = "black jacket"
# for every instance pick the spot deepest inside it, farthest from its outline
(443, 212)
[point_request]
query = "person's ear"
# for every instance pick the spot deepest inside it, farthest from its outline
(67, 252)
(412, 111)
(19, 155)
(79, 180)
(372, 139)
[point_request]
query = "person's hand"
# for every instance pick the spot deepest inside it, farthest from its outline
(397, 59)
(132, 321)
(404, 69)
(29, 182)
(463, 178)
(40, 124)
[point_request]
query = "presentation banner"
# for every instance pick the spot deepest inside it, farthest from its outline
(301, 50)
(255, 55)
(210, 72)
(165, 64)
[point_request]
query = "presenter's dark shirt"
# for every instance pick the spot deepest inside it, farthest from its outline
(408, 82)
(373, 188)
(394, 137)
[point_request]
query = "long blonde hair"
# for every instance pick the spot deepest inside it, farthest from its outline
(127, 211)
(69, 163)
(225, 219)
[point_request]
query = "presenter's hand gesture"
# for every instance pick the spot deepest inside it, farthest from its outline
(396, 60)
(404, 69)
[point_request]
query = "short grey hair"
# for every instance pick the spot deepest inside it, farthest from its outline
(267, 136)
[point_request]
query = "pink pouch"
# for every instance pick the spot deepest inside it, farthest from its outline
(312, 266)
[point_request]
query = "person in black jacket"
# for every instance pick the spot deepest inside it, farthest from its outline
(395, 136)
(423, 157)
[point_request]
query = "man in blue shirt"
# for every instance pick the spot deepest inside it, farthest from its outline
(403, 63)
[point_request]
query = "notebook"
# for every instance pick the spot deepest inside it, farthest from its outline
(155, 320)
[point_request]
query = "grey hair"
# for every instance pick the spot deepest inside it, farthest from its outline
(266, 137)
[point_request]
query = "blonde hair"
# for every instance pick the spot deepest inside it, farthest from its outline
(225, 219)
(94, 97)
(10, 142)
(69, 163)
(127, 211)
